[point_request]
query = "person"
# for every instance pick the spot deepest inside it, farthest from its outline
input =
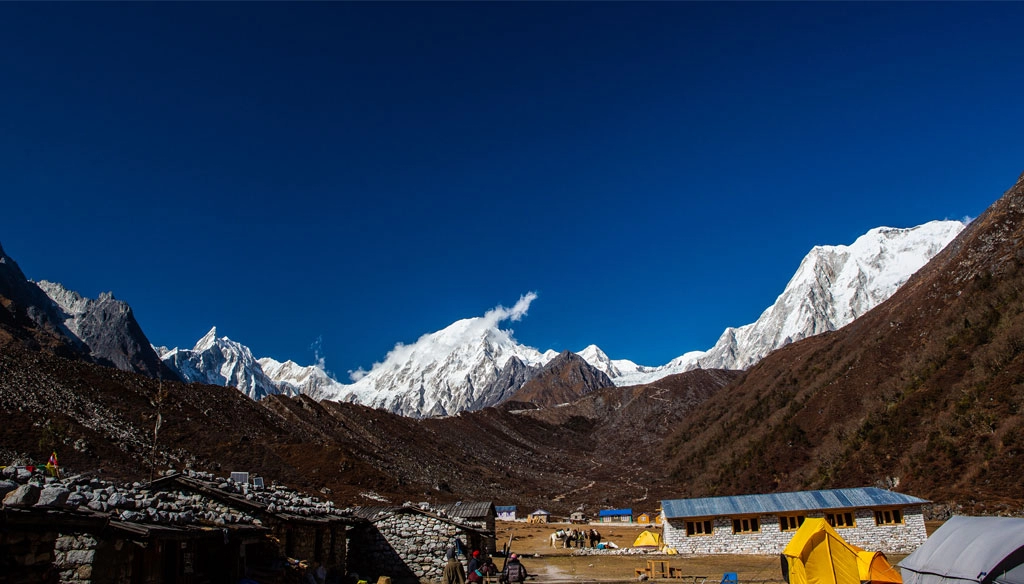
(514, 572)
(474, 569)
(319, 573)
(453, 571)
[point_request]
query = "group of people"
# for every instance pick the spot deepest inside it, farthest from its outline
(479, 567)
(582, 538)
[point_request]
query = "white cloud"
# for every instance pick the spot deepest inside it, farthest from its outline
(516, 313)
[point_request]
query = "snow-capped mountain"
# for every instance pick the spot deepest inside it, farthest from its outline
(292, 378)
(472, 363)
(460, 367)
(833, 286)
(221, 361)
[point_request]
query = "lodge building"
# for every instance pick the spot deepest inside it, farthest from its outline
(869, 517)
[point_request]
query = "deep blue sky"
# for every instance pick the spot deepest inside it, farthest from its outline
(366, 173)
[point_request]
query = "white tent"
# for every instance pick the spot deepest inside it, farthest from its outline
(982, 550)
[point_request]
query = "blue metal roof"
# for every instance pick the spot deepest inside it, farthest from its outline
(614, 512)
(504, 508)
(787, 502)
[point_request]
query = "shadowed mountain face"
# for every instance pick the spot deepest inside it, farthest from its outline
(107, 327)
(48, 315)
(565, 378)
(923, 393)
(29, 316)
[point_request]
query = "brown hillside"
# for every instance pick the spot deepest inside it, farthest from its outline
(924, 392)
(566, 378)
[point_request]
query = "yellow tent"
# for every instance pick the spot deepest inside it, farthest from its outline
(647, 538)
(818, 555)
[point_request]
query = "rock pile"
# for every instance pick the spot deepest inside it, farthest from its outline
(171, 504)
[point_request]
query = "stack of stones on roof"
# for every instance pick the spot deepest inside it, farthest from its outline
(186, 526)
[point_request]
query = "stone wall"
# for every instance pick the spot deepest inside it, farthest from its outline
(890, 539)
(407, 547)
(27, 557)
(319, 542)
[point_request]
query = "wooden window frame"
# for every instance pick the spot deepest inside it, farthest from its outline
(896, 517)
(831, 519)
(746, 525)
(784, 520)
(708, 524)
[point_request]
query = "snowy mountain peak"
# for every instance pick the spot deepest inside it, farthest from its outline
(221, 361)
(833, 285)
(207, 341)
(474, 363)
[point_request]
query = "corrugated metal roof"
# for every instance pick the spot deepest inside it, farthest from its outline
(614, 512)
(505, 508)
(468, 510)
(540, 512)
(787, 502)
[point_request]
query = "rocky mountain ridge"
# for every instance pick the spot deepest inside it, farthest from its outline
(464, 366)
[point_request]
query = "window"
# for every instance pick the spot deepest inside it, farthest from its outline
(888, 517)
(746, 525)
(790, 522)
(699, 527)
(840, 519)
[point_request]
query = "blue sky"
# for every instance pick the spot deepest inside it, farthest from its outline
(366, 173)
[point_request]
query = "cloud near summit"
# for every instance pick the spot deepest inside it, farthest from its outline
(402, 352)
(499, 313)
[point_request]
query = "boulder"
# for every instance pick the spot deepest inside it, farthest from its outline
(54, 496)
(23, 496)
(6, 486)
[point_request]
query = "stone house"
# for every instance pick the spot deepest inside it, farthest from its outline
(506, 512)
(615, 516)
(480, 515)
(408, 544)
(578, 517)
(869, 517)
(177, 529)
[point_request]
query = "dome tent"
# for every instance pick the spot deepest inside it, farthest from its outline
(647, 538)
(965, 550)
(818, 555)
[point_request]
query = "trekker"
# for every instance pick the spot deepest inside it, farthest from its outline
(475, 569)
(514, 572)
(453, 571)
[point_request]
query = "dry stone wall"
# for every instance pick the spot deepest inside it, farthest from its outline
(407, 547)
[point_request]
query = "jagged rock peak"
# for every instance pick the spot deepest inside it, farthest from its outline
(108, 328)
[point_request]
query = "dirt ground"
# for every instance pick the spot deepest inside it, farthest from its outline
(532, 542)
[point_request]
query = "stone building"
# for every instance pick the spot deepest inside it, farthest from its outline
(408, 544)
(615, 515)
(506, 512)
(872, 518)
(480, 515)
(181, 529)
